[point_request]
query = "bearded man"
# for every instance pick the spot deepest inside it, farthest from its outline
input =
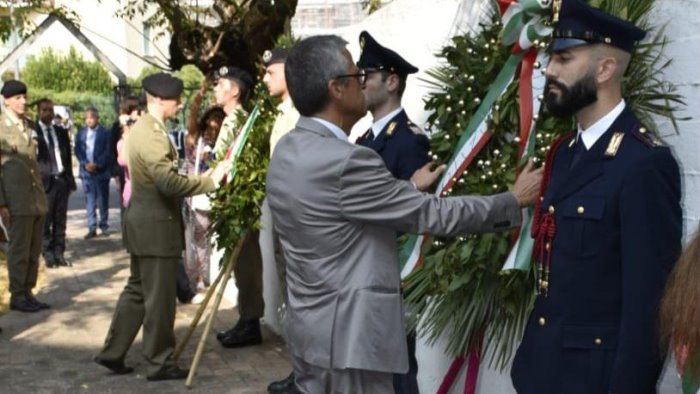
(607, 227)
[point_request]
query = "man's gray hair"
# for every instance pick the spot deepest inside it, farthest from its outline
(311, 64)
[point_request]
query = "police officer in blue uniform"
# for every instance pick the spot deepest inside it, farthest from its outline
(400, 143)
(608, 225)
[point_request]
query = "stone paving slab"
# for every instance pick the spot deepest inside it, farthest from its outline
(51, 351)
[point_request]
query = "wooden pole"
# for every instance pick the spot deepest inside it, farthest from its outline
(212, 315)
(193, 325)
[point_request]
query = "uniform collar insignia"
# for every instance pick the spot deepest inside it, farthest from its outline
(390, 129)
(614, 144)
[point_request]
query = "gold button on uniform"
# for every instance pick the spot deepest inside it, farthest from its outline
(580, 210)
(551, 209)
(542, 321)
(598, 341)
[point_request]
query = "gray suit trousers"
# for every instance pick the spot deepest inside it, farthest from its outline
(311, 379)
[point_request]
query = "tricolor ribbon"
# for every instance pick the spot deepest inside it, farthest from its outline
(524, 25)
(234, 151)
(475, 136)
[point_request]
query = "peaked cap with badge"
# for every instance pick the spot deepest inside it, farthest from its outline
(375, 56)
(607, 232)
(581, 24)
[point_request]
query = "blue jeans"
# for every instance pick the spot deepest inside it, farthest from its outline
(96, 194)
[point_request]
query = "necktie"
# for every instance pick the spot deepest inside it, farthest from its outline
(52, 151)
(579, 149)
(369, 135)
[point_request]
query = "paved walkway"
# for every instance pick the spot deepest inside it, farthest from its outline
(51, 351)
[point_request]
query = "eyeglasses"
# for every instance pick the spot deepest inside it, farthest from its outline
(361, 76)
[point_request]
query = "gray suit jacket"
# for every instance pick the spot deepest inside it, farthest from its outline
(337, 210)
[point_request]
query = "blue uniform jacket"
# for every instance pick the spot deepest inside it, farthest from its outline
(401, 145)
(618, 233)
(102, 153)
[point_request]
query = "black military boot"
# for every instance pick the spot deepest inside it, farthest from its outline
(244, 333)
(284, 386)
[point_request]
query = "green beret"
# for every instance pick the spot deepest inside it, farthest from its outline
(163, 85)
(12, 88)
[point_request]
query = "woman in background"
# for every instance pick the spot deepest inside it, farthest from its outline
(680, 316)
(127, 117)
(199, 153)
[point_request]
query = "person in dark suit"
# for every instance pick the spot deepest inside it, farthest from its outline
(401, 144)
(22, 198)
(56, 167)
(607, 228)
(93, 149)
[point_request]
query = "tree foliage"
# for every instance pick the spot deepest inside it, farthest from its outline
(234, 32)
(69, 72)
(21, 16)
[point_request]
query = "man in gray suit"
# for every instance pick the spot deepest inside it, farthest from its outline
(337, 210)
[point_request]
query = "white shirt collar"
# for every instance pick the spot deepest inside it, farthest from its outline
(333, 128)
(597, 129)
(44, 126)
(379, 125)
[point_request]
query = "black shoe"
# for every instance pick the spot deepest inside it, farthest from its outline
(222, 334)
(104, 233)
(62, 262)
(168, 373)
(92, 234)
(117, 367)
(50, 262)
(41, 305)
(24, 306)
(245, 333)
(285, 385)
